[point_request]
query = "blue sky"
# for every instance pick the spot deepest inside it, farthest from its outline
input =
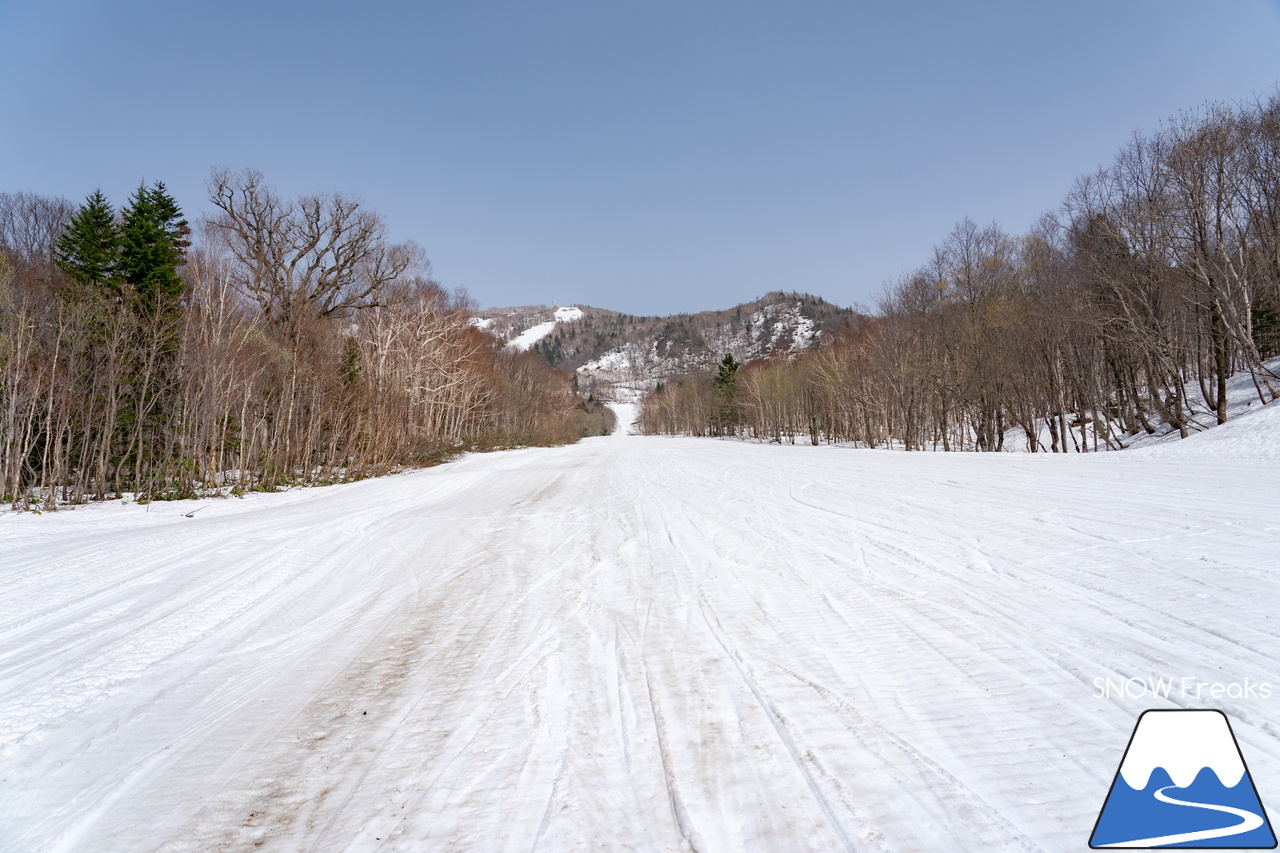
(650, 157)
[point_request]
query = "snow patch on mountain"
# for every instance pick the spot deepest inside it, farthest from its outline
(533, 334)
(632, 370)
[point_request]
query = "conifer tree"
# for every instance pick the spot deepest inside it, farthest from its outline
(153, 240)
(725, 387)
(152, 245)
(89, 248)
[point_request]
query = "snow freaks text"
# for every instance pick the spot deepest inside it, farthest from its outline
(1185, 687)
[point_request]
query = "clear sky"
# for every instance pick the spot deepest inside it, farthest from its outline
(652, 156)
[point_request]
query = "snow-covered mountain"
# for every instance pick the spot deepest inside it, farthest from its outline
(530, 336)
(618, 356)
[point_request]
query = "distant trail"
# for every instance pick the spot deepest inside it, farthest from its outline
(651, 643)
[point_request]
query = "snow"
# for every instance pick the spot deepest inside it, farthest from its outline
(640, 643)
(532, 335)
(627, 415)
(633, 370)
(1251, 434)
(805, 333)
(628, 371)
(615, 360)
(1243, 398)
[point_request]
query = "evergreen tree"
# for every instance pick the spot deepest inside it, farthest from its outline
(152, 245)
(88, 249)
(724, 388)
(349, 362)
(1266, 330)
(153, 240)
(726, 381)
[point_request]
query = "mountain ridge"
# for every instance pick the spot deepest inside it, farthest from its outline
(622, 356)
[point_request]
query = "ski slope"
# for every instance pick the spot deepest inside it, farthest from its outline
(634, 643)
(533, 334)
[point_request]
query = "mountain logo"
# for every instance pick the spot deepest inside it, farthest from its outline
(1183, 783)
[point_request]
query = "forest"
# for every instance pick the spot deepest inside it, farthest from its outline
(278, 341)
(282, 341)
(1158, 273)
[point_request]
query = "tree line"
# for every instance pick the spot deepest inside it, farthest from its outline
(1122, 312)
(278, 341)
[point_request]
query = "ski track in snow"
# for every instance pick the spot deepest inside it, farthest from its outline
(628, 644)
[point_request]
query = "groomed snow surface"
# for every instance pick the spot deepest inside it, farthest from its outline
(634, 643)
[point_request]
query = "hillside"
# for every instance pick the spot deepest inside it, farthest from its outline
(618, 356)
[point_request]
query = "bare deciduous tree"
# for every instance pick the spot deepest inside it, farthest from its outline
(316, 256)
(29, 223)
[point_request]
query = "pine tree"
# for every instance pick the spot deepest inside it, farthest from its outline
(88, 250)
(726, 380)
(152, 245)
(153, 240)
(349, 362)
(724, 388)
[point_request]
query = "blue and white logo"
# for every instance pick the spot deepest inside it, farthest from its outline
(1183, 783)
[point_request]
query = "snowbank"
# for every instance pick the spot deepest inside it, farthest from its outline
(1251, 434)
